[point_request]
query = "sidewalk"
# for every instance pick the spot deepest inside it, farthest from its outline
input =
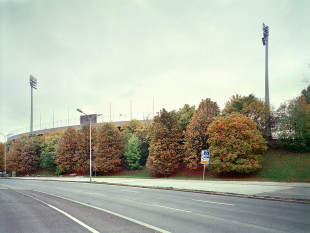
(299, 191)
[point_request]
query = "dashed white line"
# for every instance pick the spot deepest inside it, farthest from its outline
(130, 191)
(188, 211)
(212, 202)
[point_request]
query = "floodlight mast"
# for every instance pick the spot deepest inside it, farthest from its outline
(33, 84)
(265, 43)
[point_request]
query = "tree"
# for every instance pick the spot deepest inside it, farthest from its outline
(24, 154)
(50, 142)
(1, 156)
(140, 130)
(184, 115)
(109, 148)
(81, 156)
(196, 133)
(66, 151)
(132, 153)
(254, 108)
(236, 144)
(293, 126)
(165, 152)
(306, 93)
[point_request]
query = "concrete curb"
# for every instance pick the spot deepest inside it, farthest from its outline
(303, 201)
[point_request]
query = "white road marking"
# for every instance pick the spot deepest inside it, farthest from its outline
(113, 213)
(212, 202)
(188, 211)
(64, 213)
(129, 191)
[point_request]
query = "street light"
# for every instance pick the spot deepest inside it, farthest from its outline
(89, 117)
(5, 141)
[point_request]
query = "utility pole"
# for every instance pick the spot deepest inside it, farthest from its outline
(33, 84)
(265, 43)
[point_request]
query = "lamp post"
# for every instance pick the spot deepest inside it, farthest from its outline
(89, 117)
(5, 140)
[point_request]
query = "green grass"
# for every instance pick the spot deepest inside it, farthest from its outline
(281, 165)
(278, 165)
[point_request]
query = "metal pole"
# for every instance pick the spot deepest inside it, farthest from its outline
(266, 74)
(31, 115)
(204, 169)
(5, 139)
(89, 148)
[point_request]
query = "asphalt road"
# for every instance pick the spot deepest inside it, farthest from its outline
(49, 206)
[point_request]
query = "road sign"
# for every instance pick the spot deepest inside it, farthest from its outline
(205, 157)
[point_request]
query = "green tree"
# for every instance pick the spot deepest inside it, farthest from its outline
(66, 151)
(254, 108)
(133, 154)
(140, 130)
(184, 115)
(109, 148)
(50, 142)
(293, 126)
(236, 144)
(306, 93)
(165, 152)
(81, 156)
(196, 135)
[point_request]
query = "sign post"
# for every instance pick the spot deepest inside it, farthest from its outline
(205, 159)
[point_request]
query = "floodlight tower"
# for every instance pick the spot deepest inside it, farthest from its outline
(265, 43)
(33, 84)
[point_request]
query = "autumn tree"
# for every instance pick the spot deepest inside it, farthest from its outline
(66, 151)
(133, 154)
(293, 124)
(109, 148)
(81, 156)
(254, 108)
(236, 145)
(165, 152)
(50, 142)
(196, 135)
(1, 156)
(24, 154)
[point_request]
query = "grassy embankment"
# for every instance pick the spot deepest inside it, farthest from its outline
(278, 165)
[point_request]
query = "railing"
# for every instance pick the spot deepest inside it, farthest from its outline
(76, 121)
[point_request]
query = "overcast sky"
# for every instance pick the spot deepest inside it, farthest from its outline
(88, 54)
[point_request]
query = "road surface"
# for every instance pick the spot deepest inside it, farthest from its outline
(50, 206)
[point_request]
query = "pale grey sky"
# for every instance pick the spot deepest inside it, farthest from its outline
(88, 54)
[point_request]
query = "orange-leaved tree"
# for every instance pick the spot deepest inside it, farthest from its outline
(24, 154)
(81, 156)
(165, 152)
(109, 148)
(196, 135)
(236, 144)
(66, 151)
